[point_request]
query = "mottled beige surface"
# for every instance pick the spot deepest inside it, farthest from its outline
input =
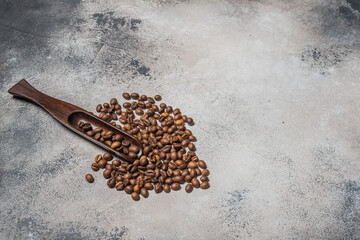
(273, 88)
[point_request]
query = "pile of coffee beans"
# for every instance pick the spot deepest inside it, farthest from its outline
(168, 159)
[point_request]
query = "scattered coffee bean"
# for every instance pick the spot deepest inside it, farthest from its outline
(204, 185)
(189, 188)
(157, 97)
(135, 196)
(134, 96)
(126, 96)
(89, 178)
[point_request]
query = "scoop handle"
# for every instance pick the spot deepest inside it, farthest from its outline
(57, 108)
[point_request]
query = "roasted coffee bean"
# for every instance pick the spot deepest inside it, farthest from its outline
(89, 178)
(167, 188)
(126, 104)
(175, 186)
(116, 163)
(128, 176)
(189, 188)
(198, 171)
(190, 121)
(119, 186)
(129, 189)
(107, 173)
(126, 96)
(148, 105)
(137, 188)
(139, 111)
(151, 100)
(148, 186)
(195, 182)
(191, 147)
(158, 97)
(102, 163)
(115, 144)
(98, 108)
(134, 96)
(132, 155)
(187, 178)
(113, 101)
(204, 185)
(193, 173)
(204, 179)
(192, 164)
(111, 183)
(107, 156)
(135, 196)
(158, 188)
(144, 192)
(143, 97)
(134, 149)
(206, 172)
(95, 167)
(202, 164)
(179, 179)
(192, 138)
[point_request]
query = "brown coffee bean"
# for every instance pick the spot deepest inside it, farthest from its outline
(139, 111)
(202, 164)
(187, 178)
(134, 149)
(126, 96)
(192, 164)
(126, 104)
(151, 100)
(137, 188)
(111, 183)
(195, 182)
(148, 105)
(204, 179)
(191, 147)
(167, 188)
(179, 179)
(119, 186)
(95, 167)
(128, 176)
(158, 97)
(107, 173)
(175, 186)
(132, 155)
(158, 188)
(129, 189)
(134, 96)
(106, 105)
(192, 138)
(148, 186)
(89, 178)
(189, 188)
(206, 172)
(115, 144)
(144, 192)
(98, 108)
(204, 185)
(198, 171)
(143, 97)
(102, 163)
(113, 101)
(190, 121)
(108, 156)
(169, 180)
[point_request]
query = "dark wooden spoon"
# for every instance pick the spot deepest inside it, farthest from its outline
(70, 116)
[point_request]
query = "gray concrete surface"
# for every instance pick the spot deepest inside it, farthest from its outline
(273, 86)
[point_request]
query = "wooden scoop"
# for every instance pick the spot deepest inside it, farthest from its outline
(70, 116)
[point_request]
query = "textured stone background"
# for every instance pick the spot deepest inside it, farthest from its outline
(274, 88)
